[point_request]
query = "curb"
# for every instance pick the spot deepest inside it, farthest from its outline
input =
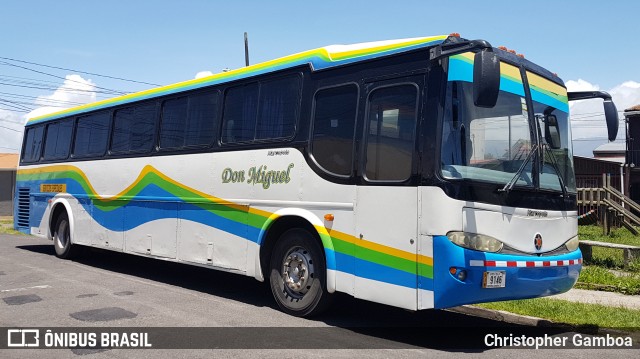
(502, 316)
(508, 317)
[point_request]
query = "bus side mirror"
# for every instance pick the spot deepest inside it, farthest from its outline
(611, 116)
(552, 132)
(486, 79)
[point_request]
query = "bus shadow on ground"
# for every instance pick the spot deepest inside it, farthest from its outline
(361, 324)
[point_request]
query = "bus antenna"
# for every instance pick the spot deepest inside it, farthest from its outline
(246, 49)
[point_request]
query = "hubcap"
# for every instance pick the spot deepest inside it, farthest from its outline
(297, 271)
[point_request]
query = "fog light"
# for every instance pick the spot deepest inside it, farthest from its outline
(462, 275)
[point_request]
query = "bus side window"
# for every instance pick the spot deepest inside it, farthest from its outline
(391, 133)
(33, 144)
(333, 128)
(58, 140)
(240, 111)
(202, 119)
(134, 129)
(279, 101)
(92, 135)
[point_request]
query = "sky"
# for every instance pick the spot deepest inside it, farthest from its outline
(589, 44)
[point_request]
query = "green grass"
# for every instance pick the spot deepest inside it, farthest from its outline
(609, 257)
(561, 311)
(6, 226)
(598, 278)
(617, 235)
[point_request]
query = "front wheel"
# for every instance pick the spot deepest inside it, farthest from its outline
(62, 238)
(298, 274)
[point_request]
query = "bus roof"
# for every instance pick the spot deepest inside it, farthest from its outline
(318, 59)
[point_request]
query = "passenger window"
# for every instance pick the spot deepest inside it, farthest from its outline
(173, 123)
(33, 144)
(391, 133)
(134, 128)
(278, 108)
(333, 128)
(92, 135)
(58, 140)
(203, 118)
(240, 111)
(261, 111)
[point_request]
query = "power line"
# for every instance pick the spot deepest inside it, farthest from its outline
(60, 77)
(82, 72)
(9, 128)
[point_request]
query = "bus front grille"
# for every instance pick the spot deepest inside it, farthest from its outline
(23, 207)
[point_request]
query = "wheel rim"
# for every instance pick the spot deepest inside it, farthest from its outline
(297, 272)
(62, 235)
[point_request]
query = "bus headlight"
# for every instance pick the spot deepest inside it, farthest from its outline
(572, 244)
(478, 242)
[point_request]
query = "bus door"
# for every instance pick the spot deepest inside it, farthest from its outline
(386, 202)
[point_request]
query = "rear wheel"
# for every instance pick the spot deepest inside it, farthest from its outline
(62, 238)
(298, 274)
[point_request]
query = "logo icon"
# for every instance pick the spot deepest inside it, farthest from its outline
(23, 337)
(537, 241)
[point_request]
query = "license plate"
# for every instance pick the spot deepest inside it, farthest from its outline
(494, 279)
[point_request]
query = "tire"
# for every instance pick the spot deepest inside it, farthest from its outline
(298, 274)
(62, 238)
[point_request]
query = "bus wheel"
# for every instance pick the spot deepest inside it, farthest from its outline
(62, 238)
(298, 274)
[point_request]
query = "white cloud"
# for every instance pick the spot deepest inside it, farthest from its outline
(10, 137)
(202, 74)
(73, 92)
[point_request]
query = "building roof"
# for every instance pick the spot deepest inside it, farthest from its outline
(634, 108)
(610, 148)
(8, 161)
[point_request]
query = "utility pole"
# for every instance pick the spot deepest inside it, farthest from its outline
(246, 49)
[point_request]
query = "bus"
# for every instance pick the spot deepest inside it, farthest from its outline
(419, 173)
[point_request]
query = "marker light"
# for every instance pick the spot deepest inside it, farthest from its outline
(572, 244)
(454, 34)
(520, 56)
(329, 217)
(478, 242)
(503, 48)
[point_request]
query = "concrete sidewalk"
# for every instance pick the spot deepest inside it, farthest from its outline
(609, 299)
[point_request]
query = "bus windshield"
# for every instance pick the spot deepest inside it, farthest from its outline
(500, 144)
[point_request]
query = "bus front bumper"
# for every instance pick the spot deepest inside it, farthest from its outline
(514, 276)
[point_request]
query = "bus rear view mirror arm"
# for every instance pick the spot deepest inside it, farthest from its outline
(610, 111)
(486, 67)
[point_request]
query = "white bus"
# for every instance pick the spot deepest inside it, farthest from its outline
(419, 173)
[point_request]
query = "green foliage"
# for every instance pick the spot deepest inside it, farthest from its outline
(561, 311)
(595, 277)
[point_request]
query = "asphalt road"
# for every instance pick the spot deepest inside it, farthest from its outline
(107, 289)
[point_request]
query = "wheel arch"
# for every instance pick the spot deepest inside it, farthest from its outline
(58, 207)
(288, 218)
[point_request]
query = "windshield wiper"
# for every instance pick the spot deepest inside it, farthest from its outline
(507, 187)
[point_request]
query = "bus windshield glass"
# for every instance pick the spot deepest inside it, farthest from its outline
(499, 144)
